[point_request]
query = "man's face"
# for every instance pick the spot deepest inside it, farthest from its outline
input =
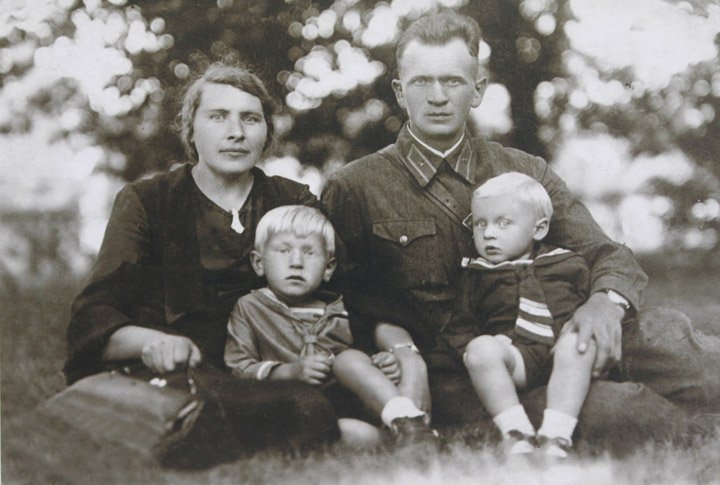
(437, 87)
(229, 130)
(504, 227)
(293, 265)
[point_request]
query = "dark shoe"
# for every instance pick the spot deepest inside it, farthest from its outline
(518, 443)
(414, 431)
(554, 448)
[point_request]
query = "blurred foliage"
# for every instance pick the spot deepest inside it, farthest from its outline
(132, 113)
(336, 111)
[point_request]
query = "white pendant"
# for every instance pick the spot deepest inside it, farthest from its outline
(236, 225)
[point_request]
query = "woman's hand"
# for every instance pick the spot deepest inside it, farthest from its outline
(170, 352)
(159, 351)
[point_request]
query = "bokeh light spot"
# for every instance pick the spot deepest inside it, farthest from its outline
(181, 71)
(545, 24)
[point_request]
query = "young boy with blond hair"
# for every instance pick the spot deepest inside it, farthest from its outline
(289, 329)
(293, 330)
(515, 298)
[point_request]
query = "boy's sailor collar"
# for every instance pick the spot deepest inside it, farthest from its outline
(479, 262)
(423, 161)
(333, 303)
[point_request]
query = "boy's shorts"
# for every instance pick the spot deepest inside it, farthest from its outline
(536, 357)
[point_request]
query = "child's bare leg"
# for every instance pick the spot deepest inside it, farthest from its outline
(491, 362)
(355, 371)
(358, 434)
(571, 374)
(496, 370)
(567, 389)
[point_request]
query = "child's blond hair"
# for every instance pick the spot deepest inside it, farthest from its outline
(529, 190)
(301, 220)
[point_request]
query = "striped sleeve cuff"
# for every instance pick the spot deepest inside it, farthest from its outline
(265, 368)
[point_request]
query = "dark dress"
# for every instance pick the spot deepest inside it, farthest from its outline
(170, 261)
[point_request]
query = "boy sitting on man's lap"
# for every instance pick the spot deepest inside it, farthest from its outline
(515, 299)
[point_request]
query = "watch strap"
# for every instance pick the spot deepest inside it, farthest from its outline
(618, 299)
(405, 345)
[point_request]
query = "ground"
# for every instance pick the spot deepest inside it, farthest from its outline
(37, 450)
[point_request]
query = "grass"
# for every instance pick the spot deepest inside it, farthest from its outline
(36, 449)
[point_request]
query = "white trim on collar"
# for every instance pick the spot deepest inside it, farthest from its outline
(480, 261)
(435, 151)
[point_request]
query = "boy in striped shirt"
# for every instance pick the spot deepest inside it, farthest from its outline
(515, 298)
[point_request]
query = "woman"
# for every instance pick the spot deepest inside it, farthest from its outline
(175, 257)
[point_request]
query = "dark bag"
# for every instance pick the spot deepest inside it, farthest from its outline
(195, 418)
(144, 412)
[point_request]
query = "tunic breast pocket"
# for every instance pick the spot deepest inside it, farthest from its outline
(407, 254)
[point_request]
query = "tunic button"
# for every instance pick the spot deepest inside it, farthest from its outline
(403, 239)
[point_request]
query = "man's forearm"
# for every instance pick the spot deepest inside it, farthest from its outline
(612, 265)
(413, 378)
(388, 336)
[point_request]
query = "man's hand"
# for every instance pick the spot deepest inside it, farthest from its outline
(313, 369)
(600, 319)
(166, 353)
(386, 362)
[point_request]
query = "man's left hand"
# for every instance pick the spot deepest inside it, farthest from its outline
(600, 319)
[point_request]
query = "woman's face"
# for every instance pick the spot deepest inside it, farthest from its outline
(229, 130)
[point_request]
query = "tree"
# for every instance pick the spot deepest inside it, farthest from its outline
(132, 113)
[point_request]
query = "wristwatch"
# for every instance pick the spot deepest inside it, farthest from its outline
(406, 345)
(618, 299)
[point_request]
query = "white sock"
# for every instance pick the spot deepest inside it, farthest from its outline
(557, 424)
(514, 418)
(399, 407)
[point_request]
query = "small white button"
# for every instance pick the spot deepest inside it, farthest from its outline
(403, 239)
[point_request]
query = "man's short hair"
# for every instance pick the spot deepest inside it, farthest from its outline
(301, 220)
(439, 29)
(529, 190)
(232, 75)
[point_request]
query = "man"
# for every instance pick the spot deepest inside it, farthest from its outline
(400, 214)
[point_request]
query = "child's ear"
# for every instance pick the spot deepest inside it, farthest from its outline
(257, 263)
(542, 226)
(329, 269)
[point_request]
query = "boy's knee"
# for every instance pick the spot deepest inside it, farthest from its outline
(483, 351)
(567, 341)
(349, 359)
(565, 349)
